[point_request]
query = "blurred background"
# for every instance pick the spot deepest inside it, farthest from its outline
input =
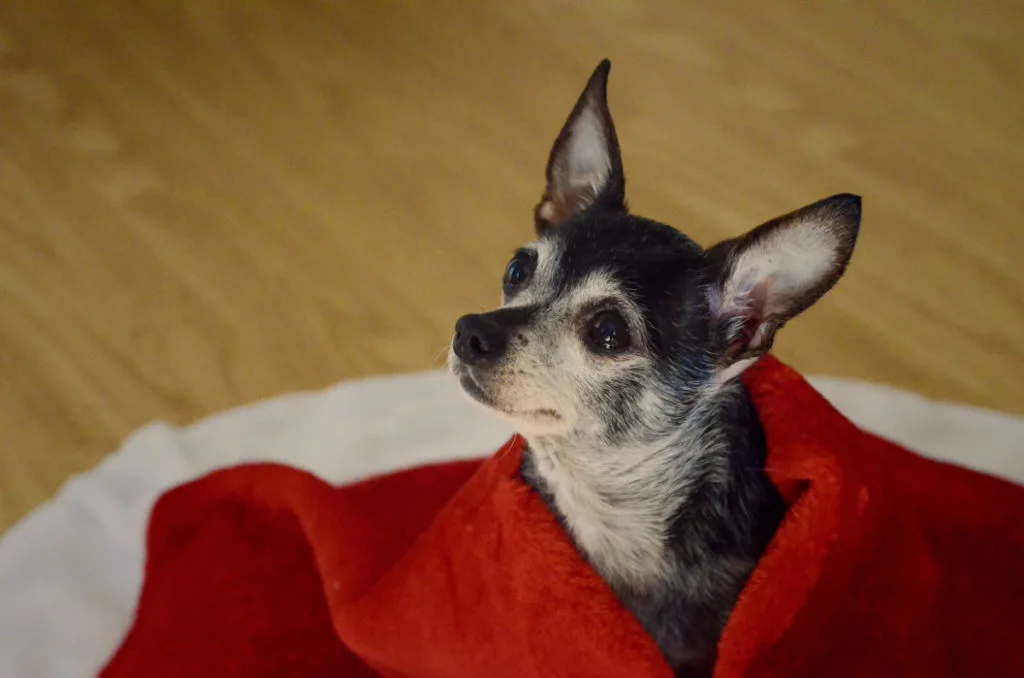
(207, 203)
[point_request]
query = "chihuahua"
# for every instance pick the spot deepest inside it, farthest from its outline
(616, 354)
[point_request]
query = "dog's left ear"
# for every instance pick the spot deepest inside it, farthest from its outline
(775, 272)
(585, 167)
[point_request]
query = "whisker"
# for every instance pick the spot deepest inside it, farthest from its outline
(441, 354)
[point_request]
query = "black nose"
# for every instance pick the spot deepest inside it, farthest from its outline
(478, 339)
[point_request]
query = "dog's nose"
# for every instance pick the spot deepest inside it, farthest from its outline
(478, 339)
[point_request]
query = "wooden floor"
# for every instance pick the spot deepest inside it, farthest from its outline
(207, 203)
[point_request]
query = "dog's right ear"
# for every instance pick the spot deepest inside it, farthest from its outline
(773, 273)
(585, 167)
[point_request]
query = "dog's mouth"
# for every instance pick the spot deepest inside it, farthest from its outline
(471, 386)
(475, 391)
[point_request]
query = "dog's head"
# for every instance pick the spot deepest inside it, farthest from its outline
(610, 322)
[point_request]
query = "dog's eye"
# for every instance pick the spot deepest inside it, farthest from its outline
(518, 271)
(608, 332)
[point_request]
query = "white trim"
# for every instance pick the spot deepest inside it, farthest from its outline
(71, 571)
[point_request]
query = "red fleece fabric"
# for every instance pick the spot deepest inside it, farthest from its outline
(886, 564)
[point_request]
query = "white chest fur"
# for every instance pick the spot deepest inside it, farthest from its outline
(617, 505)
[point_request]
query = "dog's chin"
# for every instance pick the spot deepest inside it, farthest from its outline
(541, 420)
(475, 391)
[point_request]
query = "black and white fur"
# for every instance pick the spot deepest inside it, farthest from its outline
(616, 353)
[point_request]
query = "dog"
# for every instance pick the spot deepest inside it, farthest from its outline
(616, 354)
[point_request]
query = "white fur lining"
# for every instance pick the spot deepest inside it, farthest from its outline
(71, 571)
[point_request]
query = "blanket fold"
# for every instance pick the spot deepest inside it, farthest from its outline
(886, 563)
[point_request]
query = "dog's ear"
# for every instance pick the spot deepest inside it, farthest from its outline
(776, 271)
(585, 167)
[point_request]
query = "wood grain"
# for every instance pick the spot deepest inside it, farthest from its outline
(207, 203)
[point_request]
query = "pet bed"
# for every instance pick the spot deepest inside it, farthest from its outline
(71, 573)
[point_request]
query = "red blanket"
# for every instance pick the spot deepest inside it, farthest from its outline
(886, 564)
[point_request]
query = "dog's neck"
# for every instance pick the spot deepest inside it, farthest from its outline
(668, 506)
(674, 524)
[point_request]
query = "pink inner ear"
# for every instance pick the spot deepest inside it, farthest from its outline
(746, 327)
(546, 210)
